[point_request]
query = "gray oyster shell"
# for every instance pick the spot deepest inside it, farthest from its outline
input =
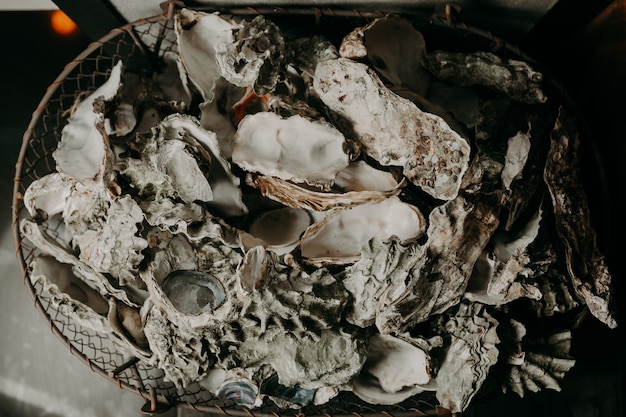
(515, 78)
(536, 362)
(585, 264)
(472, 352)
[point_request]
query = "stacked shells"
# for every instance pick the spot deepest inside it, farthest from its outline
(370, 216)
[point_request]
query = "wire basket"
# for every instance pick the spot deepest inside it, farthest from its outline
(140, 44)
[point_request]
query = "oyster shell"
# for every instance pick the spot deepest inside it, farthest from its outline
(396, 369)
(339, 237)
(280, 229)
(103, 227)
(472, 352)
(33, 232)
(199, 36)
(495, 280)
(540, 362)
(83, 151)
(458, 232)
(383, 264)
(293, 195)
(70, 295)
(292, 149)
(585, 265)
(180, 159)
(515, 78)
(393, 130)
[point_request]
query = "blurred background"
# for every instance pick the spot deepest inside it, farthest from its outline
(582, 43)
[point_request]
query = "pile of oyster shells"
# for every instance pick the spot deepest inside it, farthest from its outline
(279, 218)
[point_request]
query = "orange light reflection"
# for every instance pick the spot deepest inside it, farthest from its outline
(61, 23)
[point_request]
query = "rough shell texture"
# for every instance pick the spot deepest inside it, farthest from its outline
(585, 264)
(515, 78)
(392, 129)
(458, 232)
(471, 354)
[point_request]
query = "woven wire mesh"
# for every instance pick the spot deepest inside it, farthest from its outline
(139, 45)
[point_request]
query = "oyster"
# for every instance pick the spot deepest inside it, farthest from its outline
(83, 151)
(383, 206)
(394, 49)
(537, 362)
(199, 37)
(70, 295)
(472, 352)
(515, 78)
(339, 237)
(296, 196)
(585, 265)
(458, 232)
(292, 149)
(103, 227)
(393, 130)
(396, 369)
(254, 57)
(180, 159)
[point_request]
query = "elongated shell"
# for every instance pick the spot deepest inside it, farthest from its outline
(83, 151)
(392, 129)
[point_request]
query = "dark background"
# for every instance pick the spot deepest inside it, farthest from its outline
(580, 44)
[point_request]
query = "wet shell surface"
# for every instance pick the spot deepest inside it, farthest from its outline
(283, 217)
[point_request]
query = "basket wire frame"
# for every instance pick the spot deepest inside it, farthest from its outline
(139, 45)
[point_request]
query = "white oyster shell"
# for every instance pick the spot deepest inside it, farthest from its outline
(392, 129)
(339, 237)
(361, 176)
(199, 35)
(33, 232)
(294, 195)
(494, 280)
(292, 149)
(83, 150)
(395, 370)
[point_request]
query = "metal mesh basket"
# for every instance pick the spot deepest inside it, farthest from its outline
(139, 44)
